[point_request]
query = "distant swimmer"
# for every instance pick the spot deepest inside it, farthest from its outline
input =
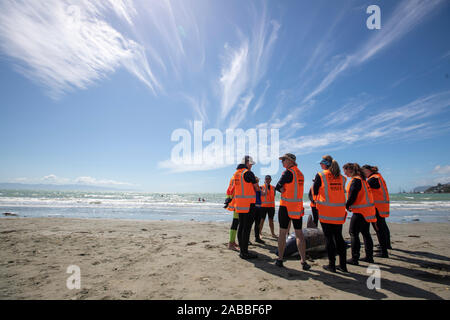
(378, 188)
(360, 203)
(291, 208)
(10, 214)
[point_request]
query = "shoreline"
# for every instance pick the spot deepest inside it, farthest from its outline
(152, 259)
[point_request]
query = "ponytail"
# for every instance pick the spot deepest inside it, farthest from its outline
(333, 167)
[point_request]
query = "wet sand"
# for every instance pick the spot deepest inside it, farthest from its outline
(124, 259)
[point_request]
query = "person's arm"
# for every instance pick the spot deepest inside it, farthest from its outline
(353, 192)
(317, 184)
(374, 183)
(250, 177)
(286, 177)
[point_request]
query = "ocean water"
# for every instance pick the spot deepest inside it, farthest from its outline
(405, 208)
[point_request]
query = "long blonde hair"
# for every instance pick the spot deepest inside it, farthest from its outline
(333, 167)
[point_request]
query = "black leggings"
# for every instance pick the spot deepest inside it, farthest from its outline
(359, 225)
(244, 229)
(283, 219)
(335, 243)
(383, 234)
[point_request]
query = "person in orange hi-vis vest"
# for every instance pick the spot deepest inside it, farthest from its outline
(229, 205)
(378, 188)
(360, 203)
(329, 196)
(245, 187)
(268, 205)
(291, 208)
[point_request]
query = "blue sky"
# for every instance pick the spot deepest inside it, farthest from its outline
(91, 91)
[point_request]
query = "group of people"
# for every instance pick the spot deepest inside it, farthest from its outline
(331, 197)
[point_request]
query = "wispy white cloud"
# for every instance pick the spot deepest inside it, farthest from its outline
(408, 15)
(245, 66)
(84, 180)
(392, 124)
(68, 45)
(347, 112)
(444, 169)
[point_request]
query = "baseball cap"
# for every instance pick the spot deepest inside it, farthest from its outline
(247, 159)
(289, 156)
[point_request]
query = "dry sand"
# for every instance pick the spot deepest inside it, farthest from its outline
(122, 259)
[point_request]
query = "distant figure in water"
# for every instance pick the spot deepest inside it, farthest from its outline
(199, 200)
(203, 199)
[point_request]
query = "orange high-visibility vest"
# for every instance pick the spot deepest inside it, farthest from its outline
(292, 197)
(331, 198)
(244, 193)
(380, 196)
(268, 201)
(364, 201)
(230, 193)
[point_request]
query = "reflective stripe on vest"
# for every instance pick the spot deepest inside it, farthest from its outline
(241, 207)
(369, 208)
(294, 211)
(329, 211)
(380, 196)
(321, 216)
(268, 200)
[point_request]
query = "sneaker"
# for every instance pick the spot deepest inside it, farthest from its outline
(279, 263)
(306, 266)
(329, 268)
(247, 256)
(274, 236)
(259, 240)
(367, 259)
(342, 269)
(353, 262)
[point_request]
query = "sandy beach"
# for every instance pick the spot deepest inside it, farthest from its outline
(124, 259)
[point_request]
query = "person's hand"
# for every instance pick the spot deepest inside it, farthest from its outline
(257, 180)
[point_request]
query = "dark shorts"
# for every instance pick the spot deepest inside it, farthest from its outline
(270, 211)
(283, 218)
